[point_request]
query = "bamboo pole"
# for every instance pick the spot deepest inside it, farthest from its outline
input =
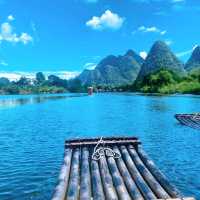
(148, 177)
(97, 188)
(85, 189)
(73, 188)
(117, 180)
(108, 187)
(60, 190)
(172, 191)
(130, 184)
(141, 184)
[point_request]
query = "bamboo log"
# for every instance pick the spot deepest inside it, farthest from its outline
(73, 188)
(87, 143)
(109, 189)
(154, 185)
(60, 190)
(117, 180)
(97, 188)
(142, 186)
(85, 190)
(172, 191)
(130, 184)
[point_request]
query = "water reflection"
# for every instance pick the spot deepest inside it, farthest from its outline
(13, 102)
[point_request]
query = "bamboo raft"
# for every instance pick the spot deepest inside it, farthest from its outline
(129, 176)
(191, 120)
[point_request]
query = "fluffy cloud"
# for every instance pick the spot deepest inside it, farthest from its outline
(143, 54)
(11, 18)
(7, 34)
(168, 42)
(107, 20)
(90, 66)
(152, 29)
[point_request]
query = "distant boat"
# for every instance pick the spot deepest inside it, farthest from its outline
(191, 120)
(90, 90)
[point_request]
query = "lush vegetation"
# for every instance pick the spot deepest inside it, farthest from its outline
(40, 84)
(162, 81)
(168, 82)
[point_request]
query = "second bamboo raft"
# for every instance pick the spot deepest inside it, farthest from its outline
(190, 120)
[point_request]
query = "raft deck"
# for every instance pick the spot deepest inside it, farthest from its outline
(129, 176)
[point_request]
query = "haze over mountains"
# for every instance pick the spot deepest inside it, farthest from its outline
(125, 69)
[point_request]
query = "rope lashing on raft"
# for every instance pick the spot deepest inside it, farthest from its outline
(100, 152)
(196, 116)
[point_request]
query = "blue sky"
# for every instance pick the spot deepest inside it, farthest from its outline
(70, 35)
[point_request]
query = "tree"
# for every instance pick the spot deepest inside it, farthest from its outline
(75, 85)
(40, 78)
(23, 81)
(56, 81)
(4, 82)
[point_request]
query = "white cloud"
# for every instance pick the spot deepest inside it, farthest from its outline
(163, 32)
(168, 42)
(185, 53)
(143, 54)
(7, 34)
(107, 20)
(90, 66)
(16, 75)
(152, 29)
(11, 18)
(25, 38)
(3, 63)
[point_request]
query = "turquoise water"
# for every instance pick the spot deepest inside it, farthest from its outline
(33, 130)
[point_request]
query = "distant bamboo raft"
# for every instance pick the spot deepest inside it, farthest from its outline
(191, 120)
(131, 175)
